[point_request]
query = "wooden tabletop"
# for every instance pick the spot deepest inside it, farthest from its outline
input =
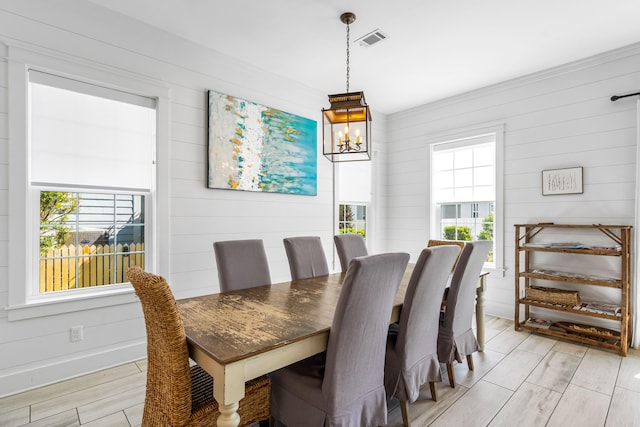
(239, 324)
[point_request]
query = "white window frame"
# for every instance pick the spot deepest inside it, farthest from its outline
(23, 205)
(366, 220)
(498, 232)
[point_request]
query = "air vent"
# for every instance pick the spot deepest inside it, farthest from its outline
(375, 36)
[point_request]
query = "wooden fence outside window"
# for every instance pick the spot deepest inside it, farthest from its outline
(91, 265)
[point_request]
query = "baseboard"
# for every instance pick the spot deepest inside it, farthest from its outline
(42, 375)
(504, 311)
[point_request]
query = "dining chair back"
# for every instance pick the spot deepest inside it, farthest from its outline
(436, 242)
(241, 264)
(178, 394)
(306, 257)
(455, 337)
(412, 344)
(345, 386)
(348, 247)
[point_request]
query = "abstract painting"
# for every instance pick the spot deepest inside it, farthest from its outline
(258, 148)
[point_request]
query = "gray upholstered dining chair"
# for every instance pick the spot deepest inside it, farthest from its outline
(455, 337)
(345, 385)
(306, 257)
(179, 393)
(412, 344)
(349, 246)
(241, 264)
(459, 243)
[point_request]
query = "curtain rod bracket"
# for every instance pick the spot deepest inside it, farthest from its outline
(616, 97)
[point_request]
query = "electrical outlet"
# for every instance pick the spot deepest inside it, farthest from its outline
(76, 333)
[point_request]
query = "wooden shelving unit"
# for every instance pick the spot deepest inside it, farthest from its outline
(535, 238)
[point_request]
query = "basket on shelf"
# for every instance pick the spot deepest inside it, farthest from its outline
(552, 295)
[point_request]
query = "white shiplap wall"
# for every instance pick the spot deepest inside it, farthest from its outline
(558, 118)
(554, 119)
(38, 351)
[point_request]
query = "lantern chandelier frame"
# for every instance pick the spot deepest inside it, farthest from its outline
(346, 131)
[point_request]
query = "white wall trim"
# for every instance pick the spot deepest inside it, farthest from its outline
(70, 367)
(635, 260)
(57, 60)
(21, 232)
(497, 128)
(507, 85)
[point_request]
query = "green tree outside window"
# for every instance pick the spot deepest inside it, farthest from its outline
(55, 207)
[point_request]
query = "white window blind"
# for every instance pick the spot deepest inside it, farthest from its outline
(354, 184)
(464, 170)
(88, 135)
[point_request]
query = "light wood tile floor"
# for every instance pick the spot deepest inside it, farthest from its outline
(520, 379)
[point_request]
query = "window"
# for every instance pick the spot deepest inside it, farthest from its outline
(353, 196)
(352, 219)
(85, 204)
(466, 221)
(465, 188)
(89, 239)
(84, 136)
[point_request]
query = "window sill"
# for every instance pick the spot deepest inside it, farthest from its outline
(54, 305)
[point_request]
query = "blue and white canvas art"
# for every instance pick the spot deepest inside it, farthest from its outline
(258, 148)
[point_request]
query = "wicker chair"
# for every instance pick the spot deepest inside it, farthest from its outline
(179, 394)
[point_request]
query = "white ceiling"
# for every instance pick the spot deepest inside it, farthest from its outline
(435, 49)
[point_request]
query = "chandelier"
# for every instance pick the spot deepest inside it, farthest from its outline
(346, 131)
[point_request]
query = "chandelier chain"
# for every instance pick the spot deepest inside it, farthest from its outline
(347, 58)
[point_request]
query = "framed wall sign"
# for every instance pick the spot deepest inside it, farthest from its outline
(257, 148)
(562, 181)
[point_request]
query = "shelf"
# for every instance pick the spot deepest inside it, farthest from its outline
(568, 309)
(608, 283)
(583, 226)
(613, 343)
(535, 238)
(583, 251)
(591, 331)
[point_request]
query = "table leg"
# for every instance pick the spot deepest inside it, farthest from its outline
(228, 390)
(480, 312)
(229, 415)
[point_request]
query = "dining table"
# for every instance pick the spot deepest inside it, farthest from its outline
(240, 335)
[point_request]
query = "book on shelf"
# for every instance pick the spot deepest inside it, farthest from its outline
(536, 245)
(573, 245)
(556, 245)
(601, 307)
(538, 323)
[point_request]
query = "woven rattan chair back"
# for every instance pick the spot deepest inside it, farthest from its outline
(178, 394)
